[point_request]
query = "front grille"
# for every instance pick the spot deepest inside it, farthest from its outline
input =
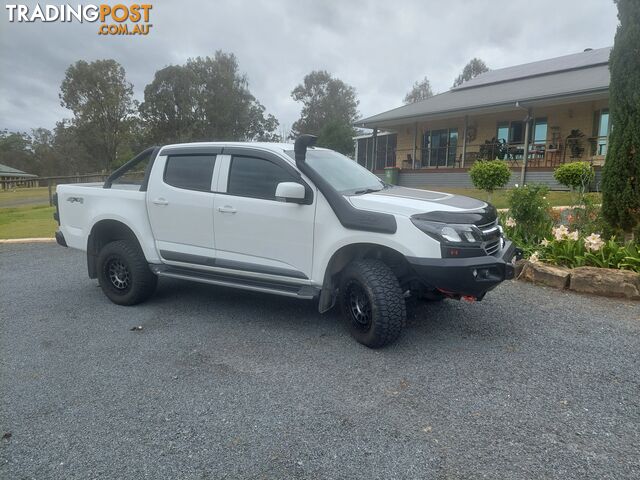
(492, 247)
(492, 236)
(488, 226)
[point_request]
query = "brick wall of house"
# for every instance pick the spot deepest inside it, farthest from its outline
(566, 117)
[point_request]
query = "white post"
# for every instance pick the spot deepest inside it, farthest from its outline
(464, 140)
(356, 149)
(525, 153)
(375, 149)
(415, 146)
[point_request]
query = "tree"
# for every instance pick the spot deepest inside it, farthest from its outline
(101, 100)
(73, 155)
(230, 111)
(206, 99)
(325, 100)
(420, 91)
(16, 151)
(472, 69)
(170, 106)
(337, 136)
(621, 173)
(44, 152)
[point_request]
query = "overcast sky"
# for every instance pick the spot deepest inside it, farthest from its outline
(379, 47)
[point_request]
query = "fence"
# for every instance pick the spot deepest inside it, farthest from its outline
(451, 156)
(51, 182)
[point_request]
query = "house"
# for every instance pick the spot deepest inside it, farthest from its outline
(534, 116)
(12, 177)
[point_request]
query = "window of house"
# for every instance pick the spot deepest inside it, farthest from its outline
(503, 132)
(439, 147)
(191, 172)
(539, 131)
(510, 132)
(601, 129)
(386, 151)
(256, 178)
(516, 132)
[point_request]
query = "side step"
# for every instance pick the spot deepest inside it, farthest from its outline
(245, 283)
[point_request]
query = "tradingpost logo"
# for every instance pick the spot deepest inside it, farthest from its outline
(117, 19)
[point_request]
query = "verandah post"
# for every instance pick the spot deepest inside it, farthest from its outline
(525, 150)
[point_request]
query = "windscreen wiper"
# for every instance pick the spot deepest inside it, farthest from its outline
(366, 190)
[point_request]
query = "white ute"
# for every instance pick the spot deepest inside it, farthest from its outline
(300, 221)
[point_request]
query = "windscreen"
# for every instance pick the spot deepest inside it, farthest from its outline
(344, 174)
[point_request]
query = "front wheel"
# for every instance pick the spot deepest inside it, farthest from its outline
(123, 273)
(372, 302)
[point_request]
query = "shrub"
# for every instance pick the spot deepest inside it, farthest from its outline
(489, 175)
(575, 175)
(528, 204)
(529, 214)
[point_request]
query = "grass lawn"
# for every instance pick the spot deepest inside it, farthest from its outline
(24, 196)
(27, 222)
(499, 198)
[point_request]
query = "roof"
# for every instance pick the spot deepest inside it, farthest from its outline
(589, 58)
(6, 171)
(583, 74)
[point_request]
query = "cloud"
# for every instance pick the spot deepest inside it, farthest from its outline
(381, 48)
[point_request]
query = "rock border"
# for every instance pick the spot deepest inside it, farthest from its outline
(605, 282)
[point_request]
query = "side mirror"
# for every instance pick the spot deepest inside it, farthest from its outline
(291, 192)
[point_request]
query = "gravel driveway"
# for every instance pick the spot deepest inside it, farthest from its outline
(529, 383)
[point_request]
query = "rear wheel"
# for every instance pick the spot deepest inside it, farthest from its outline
(372, 302)
(123, 273)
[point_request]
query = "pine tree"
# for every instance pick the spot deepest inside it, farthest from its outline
(621, 173)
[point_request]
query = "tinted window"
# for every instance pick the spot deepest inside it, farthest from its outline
(255, 177)
(192, 172)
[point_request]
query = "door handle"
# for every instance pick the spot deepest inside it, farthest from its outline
(227, 209)
(160, 201)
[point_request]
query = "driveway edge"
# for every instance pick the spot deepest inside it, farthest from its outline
(27, 240)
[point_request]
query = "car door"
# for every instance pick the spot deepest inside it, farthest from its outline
(180, 206)
(254, 232)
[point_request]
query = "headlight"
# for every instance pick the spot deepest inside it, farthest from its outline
(450, 233)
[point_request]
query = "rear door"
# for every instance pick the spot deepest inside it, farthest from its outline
(254, 232)
(180, 206)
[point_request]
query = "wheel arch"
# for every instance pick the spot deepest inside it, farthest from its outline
(357, 251)
(103, 232)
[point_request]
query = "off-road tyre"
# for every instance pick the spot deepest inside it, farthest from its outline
(123, 273)
(372, 302)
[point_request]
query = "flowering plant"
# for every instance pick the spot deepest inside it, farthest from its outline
(593, 242)
(570, 249)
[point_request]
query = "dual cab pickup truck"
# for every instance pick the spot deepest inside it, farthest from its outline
(286, 219)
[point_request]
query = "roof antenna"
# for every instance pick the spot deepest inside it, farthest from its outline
(588, 49)
(300, 147)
